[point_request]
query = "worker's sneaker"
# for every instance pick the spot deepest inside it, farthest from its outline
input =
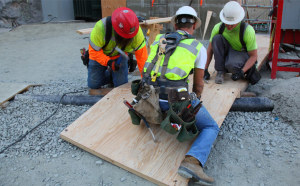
(220, 77)
(191, 169)
(99, 92)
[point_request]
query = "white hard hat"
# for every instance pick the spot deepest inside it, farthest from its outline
(186, 10)
(232, 13)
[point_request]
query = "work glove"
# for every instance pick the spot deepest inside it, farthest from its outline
(131, 63)
(206, 74)
(239, 74)
(115, 64)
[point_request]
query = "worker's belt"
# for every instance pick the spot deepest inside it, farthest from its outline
(164, 86)
(179, 119)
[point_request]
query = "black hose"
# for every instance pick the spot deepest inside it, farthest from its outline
(252, 104)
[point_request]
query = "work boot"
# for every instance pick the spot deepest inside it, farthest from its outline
(99, 92)
(190, 168)
(220, 77)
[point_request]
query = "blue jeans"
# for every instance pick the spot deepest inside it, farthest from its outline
(208, 128)
(99, 75)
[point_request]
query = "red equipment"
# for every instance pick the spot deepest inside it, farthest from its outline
(279, 35)
(125, 22)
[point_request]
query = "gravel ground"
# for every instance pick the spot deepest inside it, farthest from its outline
(251, 149)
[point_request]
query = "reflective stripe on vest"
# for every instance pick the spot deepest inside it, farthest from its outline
(192, 47)
(93, 45)
(184, 52)
(174, 70)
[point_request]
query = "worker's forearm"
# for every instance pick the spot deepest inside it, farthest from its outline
(98, 56)
(141, 57)
(250, 62)
(198, 81)
(198, 89)
(209, 56)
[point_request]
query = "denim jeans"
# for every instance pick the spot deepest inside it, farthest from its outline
(208, 128)
(99, 75)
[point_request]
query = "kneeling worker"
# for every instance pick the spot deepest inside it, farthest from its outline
(121, 31)
(233, 45)
(182, 54)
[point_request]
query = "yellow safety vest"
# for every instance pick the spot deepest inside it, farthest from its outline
(180, 63)
(97, 40)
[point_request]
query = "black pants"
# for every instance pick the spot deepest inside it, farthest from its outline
(227, 59)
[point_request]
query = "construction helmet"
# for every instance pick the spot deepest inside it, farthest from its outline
(186, 10)
(125, 22)
(232, 13)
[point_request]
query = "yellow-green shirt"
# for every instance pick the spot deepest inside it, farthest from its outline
(232, 36)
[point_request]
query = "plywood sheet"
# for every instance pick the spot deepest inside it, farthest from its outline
(108, 6)
(105, 130)
(9, 90)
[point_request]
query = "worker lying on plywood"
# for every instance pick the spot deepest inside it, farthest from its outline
(162, 96)
(109, 37)
(233, 44)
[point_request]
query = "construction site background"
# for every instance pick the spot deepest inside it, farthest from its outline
(18, 12)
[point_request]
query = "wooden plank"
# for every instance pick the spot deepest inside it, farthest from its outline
(108, 6)
(263, 41)
(9, 90)
(84, 31)
(145, 23)
(208, 16)
(105, 130)
(155, 21)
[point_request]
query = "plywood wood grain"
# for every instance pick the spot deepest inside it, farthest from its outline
(108, 6)
(105, 130)
(9, 90)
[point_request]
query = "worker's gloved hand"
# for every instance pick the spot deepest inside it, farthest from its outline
(239, 74)
(206, 74)
(113, 64)
(131, 63)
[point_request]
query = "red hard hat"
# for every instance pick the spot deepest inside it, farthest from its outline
(125, 22)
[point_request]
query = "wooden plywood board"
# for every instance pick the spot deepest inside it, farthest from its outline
(263, 41)
(9, 90)
(108, 6)
(105, 130)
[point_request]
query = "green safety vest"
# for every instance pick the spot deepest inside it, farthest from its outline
(180, 63)
(97, 40)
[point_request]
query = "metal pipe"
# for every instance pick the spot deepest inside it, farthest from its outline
(257, 6)
(260, 20)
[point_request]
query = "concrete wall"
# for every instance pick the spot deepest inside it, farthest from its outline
(55, 10)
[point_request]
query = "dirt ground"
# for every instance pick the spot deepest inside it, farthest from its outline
(252, 148)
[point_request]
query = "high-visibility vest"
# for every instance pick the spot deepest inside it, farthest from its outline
(180, 63)
(97, 40)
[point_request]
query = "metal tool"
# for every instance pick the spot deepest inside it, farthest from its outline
(162, 50)
(141, 116)
(123, 54)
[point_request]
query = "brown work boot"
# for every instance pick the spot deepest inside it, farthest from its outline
(220, 77)
(99, 92)
(190, 168)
